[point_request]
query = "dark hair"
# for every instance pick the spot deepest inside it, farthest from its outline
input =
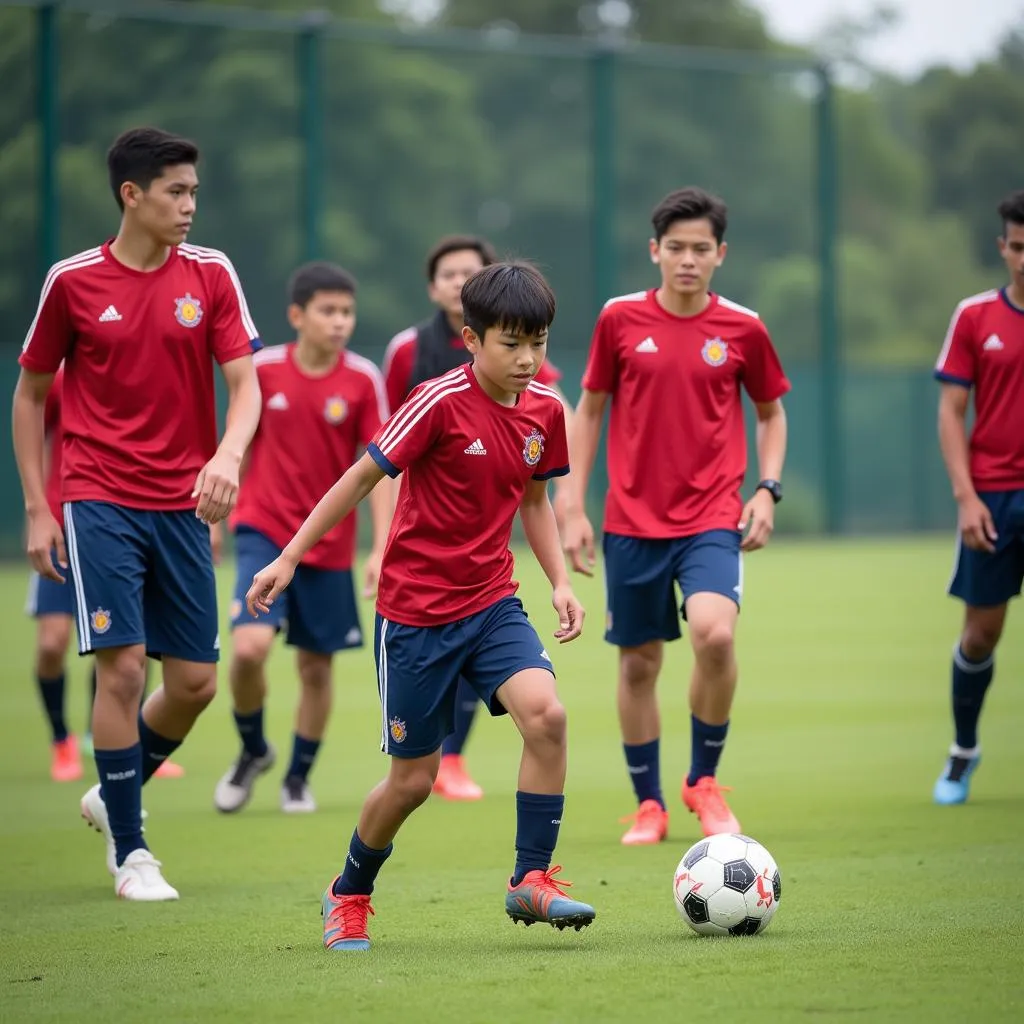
(1011, 209)
(311, 278)
(690, 204)
(459, 243)
(514, 297)
(140, 155)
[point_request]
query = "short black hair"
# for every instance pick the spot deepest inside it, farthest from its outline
(690, 204)
(1011, 209)
(141, 155)
(459, 243)
(311, 278)
(514, 297)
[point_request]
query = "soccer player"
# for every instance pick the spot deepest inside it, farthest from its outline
(321, 405)
(670, 362)
(419, 354)
(984, 351)
(475, 446)
(138, 322)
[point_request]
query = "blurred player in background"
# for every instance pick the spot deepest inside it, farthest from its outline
(475, 446)
(984, 352)
(422, 353)
(321, 405)
(670, 362)
(138, 323)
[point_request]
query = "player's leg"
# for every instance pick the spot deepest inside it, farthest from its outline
(453, 780)
(641, 615)
(512, 672)
(91, 700)
(322, 618)
(417, 670)
(108, 548)
(709, 568)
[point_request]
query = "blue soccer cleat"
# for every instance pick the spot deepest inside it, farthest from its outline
(345, 920)
(953, 786)
(541, 897)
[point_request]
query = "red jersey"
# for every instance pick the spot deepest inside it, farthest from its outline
(54, 445)
(677, 446)
(400, 360)
(310, 432)
(984, 350)
(138, 407)
(466, 462)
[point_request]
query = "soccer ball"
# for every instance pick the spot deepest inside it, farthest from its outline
(727, 884)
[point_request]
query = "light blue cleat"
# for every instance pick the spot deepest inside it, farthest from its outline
(345, 921)
(953, 786)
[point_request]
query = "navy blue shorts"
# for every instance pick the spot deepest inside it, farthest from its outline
(142, 577)
(640, 578)
(418, 669)
(983, 579)
(317, 612)
(45, 597)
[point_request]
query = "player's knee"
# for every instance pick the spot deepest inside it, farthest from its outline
(251, 646)
(412, 788)
(121, 676)
(314, 670)
(638, 666)
(52, 645)
(192, 684)
(546, 724)
(979, 639)
(713, 641)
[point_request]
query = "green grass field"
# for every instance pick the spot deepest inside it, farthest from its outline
(892, 908)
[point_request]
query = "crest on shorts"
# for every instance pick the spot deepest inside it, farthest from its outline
(188, 311)
(397, 729)
(335, 409)
(715, 351)
(236, 608)
(100, 620)
(533, 447)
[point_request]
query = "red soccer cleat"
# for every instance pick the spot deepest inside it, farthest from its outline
(169, 770)
(453, 781)
(705, 799)
(65, 761)
(650, 825)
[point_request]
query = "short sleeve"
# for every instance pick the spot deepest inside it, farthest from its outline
(414, 429)
(232, 331)
(554, 459)
(50, 334)
(373, 409)
(601, 373)
(763, 376)
(955, 364)
(397, 367)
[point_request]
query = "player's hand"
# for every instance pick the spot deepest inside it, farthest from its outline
(758, 520)
(578, 543)
(45, 534)
(371, 573)
(217, 542)
(217, 487)
(976, 526)
(570, 614)
(267, 584)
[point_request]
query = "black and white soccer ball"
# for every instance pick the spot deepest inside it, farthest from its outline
(727, 885)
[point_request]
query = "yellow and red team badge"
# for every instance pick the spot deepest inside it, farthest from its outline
(533, 447)
(236, 609)
(335, 409)
(397, 729)
(100, 620)
(188, 311)
(715, 351)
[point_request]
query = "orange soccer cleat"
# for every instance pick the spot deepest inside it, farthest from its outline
(65, 760)
(453, 781)
(650, 825)
(169, 770)
(705, 799)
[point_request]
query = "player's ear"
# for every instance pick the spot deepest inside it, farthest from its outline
(432, 292)
(722, 250)
(130, 194)
(295, 314)
(471, 339)
(654, 250)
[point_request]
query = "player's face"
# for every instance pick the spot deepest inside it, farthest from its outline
(327, 321)
(454, 269)
(507, 361)
(687, 255)
(165, 209)
(1011, 248)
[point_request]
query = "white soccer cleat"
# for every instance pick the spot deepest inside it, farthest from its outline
(139, 879)
(296, 797)
(94, 811)
(234, 790)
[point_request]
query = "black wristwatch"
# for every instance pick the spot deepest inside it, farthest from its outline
(773, 487)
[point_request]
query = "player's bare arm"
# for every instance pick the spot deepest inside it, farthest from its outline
(538, 519)
(216, 487)
(563, 489)
(758, 518)
(28, 429)
(357, 482)
(382, 507)
(974, 518)
(584, 436)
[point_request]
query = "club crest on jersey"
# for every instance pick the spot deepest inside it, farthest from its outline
(335, 409)
(533, 447)
(188, 311)
(100, 620)
(397, 729)
(715, 351)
